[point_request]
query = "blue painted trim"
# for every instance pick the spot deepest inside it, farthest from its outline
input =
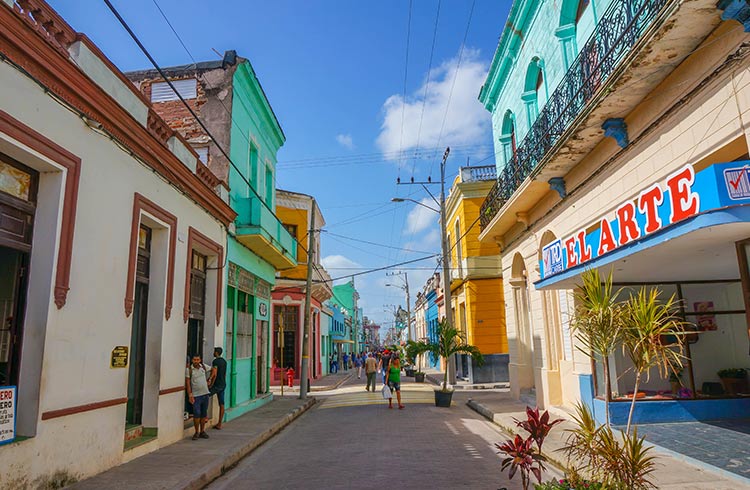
(737, 10)
(557, 184)
(714, 217)
(665, 411)
(617, 128)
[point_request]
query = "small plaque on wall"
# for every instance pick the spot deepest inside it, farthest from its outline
(119, 357)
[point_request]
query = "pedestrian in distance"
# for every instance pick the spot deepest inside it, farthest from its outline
(219, 382)
(346, 361)
(197, 379)
(358, 365)
(393, 380)
(371, 366)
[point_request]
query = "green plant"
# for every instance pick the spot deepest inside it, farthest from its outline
(522, 457)
(736, 373)
(598, 323)
(569, 484)
(615, 461)
(676, 376)
(647, 321)
(449, 341)
(538, 426)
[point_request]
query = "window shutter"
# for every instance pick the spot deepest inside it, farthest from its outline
(162, 92)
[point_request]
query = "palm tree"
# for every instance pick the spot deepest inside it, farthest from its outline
(598, 323)
(448, 341)
(647, 321)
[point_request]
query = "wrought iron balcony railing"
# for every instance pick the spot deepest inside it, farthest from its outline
(477, 174)
(617, 32)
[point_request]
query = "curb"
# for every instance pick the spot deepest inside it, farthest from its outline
(328, 387)
(218, 469)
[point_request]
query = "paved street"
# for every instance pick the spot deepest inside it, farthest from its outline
(352, 440)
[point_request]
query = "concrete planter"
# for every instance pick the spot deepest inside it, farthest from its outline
(419, 377)
(443, 398)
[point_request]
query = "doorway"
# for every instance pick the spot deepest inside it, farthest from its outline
(261, 327)
(18, 192)
(197, 305)
(137, 365)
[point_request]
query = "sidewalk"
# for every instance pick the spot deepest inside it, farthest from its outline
(671, 472)
(326, 383)
(189, 464)
(436, 377)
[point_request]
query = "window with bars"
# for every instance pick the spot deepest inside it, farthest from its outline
(162, 92)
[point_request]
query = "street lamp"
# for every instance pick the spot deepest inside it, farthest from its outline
(405, 288)
(444, 244)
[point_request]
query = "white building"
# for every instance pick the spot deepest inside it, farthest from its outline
(111, 247)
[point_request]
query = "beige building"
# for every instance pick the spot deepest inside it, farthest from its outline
(636, 164)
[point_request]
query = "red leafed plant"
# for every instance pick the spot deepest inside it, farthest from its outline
(522, 455)
(538, 426)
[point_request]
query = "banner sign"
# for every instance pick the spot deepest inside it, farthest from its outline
(680, 196)
(7, 414)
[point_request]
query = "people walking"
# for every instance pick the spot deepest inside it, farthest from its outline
(346, 361)
(358, 365)
(393, 380)
(197, 379)
(219, 382)
(371, 366)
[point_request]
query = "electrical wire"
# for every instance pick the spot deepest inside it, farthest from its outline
(376, 244)
(406, 76)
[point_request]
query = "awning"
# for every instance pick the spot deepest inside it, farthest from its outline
(698, 248)
(682, 228)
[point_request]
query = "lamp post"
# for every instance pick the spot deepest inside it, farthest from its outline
(405, 287)
(444, 244)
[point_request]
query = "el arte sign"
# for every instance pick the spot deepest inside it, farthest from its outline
(680, 196)
(7, 414)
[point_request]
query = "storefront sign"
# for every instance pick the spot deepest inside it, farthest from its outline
(248, 282)
(7, 414)
(682, 195)
(119, 357)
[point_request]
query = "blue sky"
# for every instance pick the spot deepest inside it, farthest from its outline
(334, 72)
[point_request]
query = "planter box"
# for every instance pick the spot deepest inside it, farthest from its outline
(732, 386)
(419, 377)
(443, 398)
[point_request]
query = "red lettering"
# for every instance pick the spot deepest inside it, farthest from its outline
(585, 249)
(607, 238)
(648, 204)
(684, 202)
(628, 227)
(570, 247)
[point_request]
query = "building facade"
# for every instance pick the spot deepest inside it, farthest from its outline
(296, 211)
(632, 166)
(229, 100)
(476, 279)
(111, 244)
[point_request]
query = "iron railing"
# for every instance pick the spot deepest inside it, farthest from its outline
(477, 174)
(617, 32)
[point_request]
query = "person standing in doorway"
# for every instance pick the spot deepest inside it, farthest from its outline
(393, 379)
(219, 377)
(197, 379)
(371, 367)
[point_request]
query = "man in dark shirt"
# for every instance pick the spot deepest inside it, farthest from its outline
(219, 376)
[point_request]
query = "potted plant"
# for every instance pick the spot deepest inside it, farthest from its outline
(448, 342)
(734, 380)
(412, 352)
(419, 376)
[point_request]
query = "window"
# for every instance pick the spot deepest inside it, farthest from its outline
(244, 326)
(459, 254)
(292, 229)
(202, 152)
(252, 168)
(582, 4)
(269, 186)
(162, 92)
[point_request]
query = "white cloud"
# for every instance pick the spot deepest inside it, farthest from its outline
(339, 265)
(466, 122)
(420, 218)
(345, 140)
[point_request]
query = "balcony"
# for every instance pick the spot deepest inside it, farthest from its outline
(628, 48)
(478, 267)
(259, 230)
(478, 174)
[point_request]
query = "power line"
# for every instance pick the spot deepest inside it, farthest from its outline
(376, 244)
(378, 269)
(406, 73)
(192, 112)
(453, 84)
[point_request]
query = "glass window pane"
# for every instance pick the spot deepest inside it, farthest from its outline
(15, 182)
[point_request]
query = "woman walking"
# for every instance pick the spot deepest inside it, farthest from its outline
(393, 380)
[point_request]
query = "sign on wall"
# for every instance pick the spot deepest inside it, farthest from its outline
(682, 195)
(119, 357)
(7, 414)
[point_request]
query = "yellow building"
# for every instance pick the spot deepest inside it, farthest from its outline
(476, 278)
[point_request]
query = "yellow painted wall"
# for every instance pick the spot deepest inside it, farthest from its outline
(467, 211)
(297, 217)
(485, 314)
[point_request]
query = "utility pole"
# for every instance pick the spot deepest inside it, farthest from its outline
(304, 383)
(410, 334)
(446, 264)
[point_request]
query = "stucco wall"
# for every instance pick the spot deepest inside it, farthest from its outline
(81, 335)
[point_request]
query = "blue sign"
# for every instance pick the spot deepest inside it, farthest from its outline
(552, 258)
(8, 405)
(737, 182)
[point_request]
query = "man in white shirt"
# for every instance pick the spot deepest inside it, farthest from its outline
(197, 378)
